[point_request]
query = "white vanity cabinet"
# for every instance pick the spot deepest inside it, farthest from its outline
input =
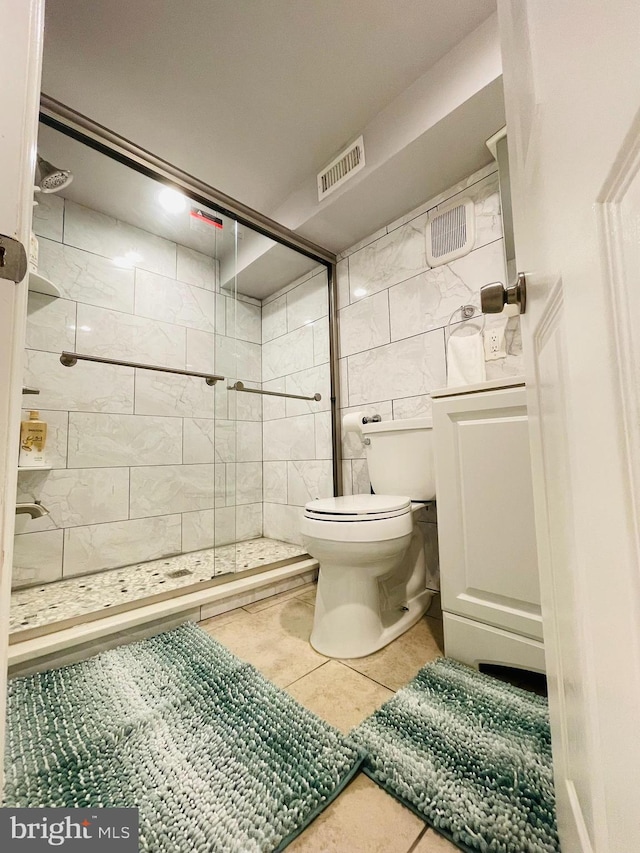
(488, 560)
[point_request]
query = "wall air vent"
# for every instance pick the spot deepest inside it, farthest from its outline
(345, 165)
(451, 232)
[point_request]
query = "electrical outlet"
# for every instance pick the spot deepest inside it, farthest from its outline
(494, 344)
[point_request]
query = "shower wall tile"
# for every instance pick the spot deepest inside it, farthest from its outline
(225, 441)
(288, 438)
(37, 558)
(239, 359)
(162, 298)
(197, 269)
(103, 235)
(198, 441)
(392, 258)
(243, 321)
(324, 444)
(106, 440)
(360, 482)
(79, 496)
(274, 407)
(347, 483)
(230, 484)
(51, 323)
(249, 441)
(57, 434)
(225, 526)
(178, 396)
(413, 407)
(113, 334)
(200, 351)
(198, 530)
(365, 324)
(309, 480)
(106, 546)
(288, 353)
(87, 278)
(275, 482)
(248, 407)
(274, 319)
(220, 484)
(168, 489)
(248, 523)
(307, 302)
(307, 383)
(48, 216)
(342, 282)
(428, 300)
(86, 387)
(282, 522)
(321, 341)
(248, 482)
(403, 369)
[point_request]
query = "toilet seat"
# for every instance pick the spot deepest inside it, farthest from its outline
(358, 508)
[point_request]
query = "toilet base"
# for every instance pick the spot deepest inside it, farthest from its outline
(355, 631)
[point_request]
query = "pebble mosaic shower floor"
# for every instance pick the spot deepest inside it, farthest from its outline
(41, 605)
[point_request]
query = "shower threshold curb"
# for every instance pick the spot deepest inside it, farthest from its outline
(66, 638)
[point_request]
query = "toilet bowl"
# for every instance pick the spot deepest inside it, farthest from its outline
(372, 579)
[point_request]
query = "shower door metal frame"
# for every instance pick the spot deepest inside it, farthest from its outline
(68, 121)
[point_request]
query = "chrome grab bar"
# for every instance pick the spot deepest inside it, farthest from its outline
(69, 359)
(239, 386)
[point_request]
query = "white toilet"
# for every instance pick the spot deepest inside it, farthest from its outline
(371, 586)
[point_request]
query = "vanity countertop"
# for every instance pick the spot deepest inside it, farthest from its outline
(489, 385)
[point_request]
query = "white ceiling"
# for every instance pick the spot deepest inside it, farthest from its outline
(256, 96)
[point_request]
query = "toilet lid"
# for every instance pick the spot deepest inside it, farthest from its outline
(358, 507)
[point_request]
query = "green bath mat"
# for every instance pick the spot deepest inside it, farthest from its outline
(469, 755)
(215, 757)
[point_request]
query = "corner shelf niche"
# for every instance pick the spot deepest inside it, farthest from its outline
(39, 284)
(35, 467)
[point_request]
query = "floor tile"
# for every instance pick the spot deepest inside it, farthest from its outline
(396, 664)
(339, 695)
(275, 640)
(363, 819)
(297, 592)
(431, 842)
(310, 595)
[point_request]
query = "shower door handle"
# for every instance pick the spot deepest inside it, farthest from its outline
(13, 259)
(494, 296)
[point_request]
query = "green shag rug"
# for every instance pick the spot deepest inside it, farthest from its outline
(215, 757)
(468, 754)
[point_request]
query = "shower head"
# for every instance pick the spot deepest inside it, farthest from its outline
(49, 179)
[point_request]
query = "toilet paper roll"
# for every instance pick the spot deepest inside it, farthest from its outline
(353, 422)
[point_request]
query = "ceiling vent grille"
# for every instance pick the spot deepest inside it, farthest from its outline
(345, 165)
(450, 232)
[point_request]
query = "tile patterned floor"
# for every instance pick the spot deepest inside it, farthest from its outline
(273, 635)
(65, 599)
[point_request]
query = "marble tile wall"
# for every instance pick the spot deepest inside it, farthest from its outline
(393, 313)
(296, 434)
(143, 464)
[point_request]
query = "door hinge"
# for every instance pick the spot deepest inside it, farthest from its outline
(13, 259)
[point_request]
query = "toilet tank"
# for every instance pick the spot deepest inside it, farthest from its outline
(400, 458)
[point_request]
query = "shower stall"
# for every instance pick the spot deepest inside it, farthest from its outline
(180, 349)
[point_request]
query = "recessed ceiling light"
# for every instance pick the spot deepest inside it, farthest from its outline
(172, 200)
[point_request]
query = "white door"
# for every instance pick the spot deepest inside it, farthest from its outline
(572, 91)
(20, 61)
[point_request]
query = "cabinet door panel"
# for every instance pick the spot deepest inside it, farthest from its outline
(488, 559)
